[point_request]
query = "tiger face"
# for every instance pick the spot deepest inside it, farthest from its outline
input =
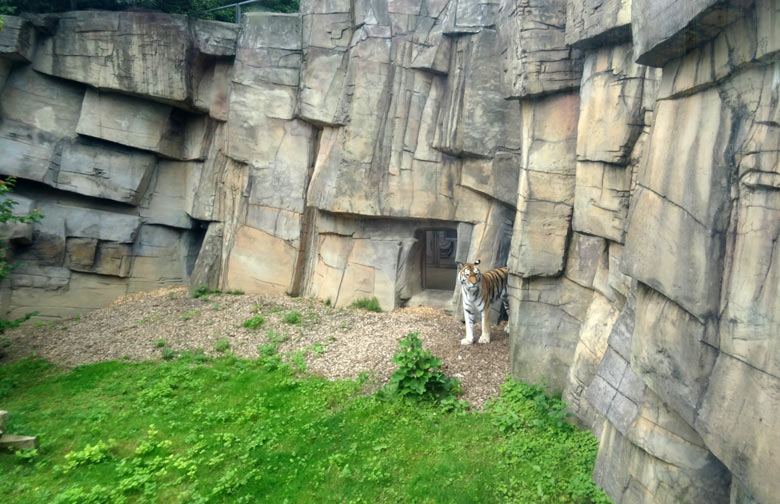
(469, 275)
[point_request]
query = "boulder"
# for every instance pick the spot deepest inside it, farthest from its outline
(104, 171)
(208, 264)
(171, 193)
(675, 240)
(18, 39)
(544, 326)
(144, 125)
(601, 199)
(474, 119)
(666, 29)
(546, 186)
(536, 59)
(746, 442)
(38, 114)
(132, 52)
(592, 23)
(611, 105)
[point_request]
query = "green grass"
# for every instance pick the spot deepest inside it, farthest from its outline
(371, 304)
(229, 430)
(292, 317)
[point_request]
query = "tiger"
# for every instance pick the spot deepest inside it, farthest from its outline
(479, 289)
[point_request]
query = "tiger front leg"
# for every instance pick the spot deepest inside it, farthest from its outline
(485, 338)
(470, 318)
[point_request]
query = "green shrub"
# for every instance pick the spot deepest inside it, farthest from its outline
(168, 354)
(254, 322)
(367, 304)
(418, 375)
(204, 292)
(222, 346)
(292, 317)
(159, 343)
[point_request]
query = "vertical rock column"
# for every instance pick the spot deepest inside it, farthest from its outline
(546, 306)
(268, 154)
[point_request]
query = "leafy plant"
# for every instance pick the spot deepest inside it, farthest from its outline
(90, 454)
(223, 345)
(367, 304)
(254, 322)
(418, 375)
(168, 354)
(292, 317)
(159, 343)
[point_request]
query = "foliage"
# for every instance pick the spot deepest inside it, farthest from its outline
(292, 317)
(203, 292)
(418, 375)
(254, 322)
(552, 454)
(160, 343)
(10, 324)
(371, 304)
(168, 354)
(254, 431)
(189, 7)
(222, 346)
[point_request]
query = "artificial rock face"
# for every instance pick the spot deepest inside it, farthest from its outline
(619, 156)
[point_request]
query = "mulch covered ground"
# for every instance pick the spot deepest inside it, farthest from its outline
(338, 343)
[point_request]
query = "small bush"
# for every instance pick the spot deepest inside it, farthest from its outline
(367, 304)
(159, 343)
(204, 292)
(418, 375)
(222, 345)
(292, 317)
(168, 354)
(235, 292)
(254, 322)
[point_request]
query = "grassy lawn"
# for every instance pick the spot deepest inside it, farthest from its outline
(228, 430)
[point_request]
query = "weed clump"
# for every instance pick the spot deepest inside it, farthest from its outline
(419, 374)
(292, 317)
(254, 322)
(367, 304)
(222, 346)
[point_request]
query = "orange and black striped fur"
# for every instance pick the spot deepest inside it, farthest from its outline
(479, 290)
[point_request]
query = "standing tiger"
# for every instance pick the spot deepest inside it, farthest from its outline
(479, 289)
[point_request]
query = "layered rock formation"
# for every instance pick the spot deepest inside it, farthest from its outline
(621, 157)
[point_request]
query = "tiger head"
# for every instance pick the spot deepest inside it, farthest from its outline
(469, 275)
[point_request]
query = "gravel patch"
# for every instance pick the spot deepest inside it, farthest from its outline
(337, 343)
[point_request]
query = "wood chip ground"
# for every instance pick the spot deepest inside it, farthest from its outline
(338, 343)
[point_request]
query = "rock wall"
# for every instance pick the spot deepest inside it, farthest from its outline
(621, 157)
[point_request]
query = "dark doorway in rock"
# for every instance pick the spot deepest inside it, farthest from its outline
(439, 267)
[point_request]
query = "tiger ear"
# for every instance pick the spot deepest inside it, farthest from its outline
(476, 262)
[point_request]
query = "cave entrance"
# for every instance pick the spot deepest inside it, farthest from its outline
(439, 266)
